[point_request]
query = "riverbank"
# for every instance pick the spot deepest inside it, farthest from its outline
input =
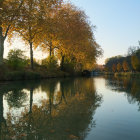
(124, 74)
(27, 74)
(30, 75)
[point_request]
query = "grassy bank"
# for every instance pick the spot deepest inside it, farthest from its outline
(7, 74)
(128, 74)
(30, 75)
(124, 74)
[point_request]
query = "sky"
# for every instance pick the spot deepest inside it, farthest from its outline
(117, 25)
(117, 22)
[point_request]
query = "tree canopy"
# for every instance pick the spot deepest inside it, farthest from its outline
(56, 27)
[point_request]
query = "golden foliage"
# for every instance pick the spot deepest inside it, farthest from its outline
(54, 26)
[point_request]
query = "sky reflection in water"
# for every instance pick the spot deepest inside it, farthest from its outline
(80, 108)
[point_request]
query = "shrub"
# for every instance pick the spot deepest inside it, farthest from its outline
(22, 75)
(14, 75)
(35, 63)
(16, 60)
(31, 75)
(50, 62)
(68, 66)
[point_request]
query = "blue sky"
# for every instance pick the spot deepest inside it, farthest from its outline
(117, 21)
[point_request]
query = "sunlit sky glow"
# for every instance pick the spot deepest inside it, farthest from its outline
(117, 21)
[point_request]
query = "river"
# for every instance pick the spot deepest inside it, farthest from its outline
(96, 108)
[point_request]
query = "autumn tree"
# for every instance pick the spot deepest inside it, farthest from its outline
(106, 69)
(125, 66)
(49, 40)
(30, 24)
(135, 63)
(119, 67)
(9, 14)
(76, 39)
(114, 68)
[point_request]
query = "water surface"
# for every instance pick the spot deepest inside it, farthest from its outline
(66, 109)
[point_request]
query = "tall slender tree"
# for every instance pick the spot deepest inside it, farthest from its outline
(135, 63)
(114, 68)
(119, 67)
(76, 36)
(9, 14)
(125, 66)
(34, 13)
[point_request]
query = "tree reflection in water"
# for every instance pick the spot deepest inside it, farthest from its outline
(67, 113)
(130, 86)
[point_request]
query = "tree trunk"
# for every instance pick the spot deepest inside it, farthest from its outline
(50, 48)
(31, 55)
(2, 119)
(52, 52)
(1, 113)
(50, 105)
(1, 46)
(62, 63)
(62, 91)
(31, 100)
(1, 107)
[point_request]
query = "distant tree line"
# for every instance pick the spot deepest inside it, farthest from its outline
(128, 63)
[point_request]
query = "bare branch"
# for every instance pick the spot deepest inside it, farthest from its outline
(12, 18)
(7, 31)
